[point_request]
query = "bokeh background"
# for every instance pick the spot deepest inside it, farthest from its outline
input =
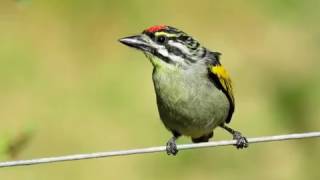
(68, 86)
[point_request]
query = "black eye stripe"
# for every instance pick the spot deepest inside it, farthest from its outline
(177, 52)
(174, 50)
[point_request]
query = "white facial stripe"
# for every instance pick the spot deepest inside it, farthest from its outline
(172, 57)
(180, 46)
(177, 59)
(164, 52)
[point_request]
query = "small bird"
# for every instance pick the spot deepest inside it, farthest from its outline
(193, 90)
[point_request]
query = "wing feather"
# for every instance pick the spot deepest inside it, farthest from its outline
(222, 80)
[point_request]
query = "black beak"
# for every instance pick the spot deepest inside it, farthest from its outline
(136, 42)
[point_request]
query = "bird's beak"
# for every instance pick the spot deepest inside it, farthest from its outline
(137, 42)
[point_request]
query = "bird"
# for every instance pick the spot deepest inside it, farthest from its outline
(193, 90)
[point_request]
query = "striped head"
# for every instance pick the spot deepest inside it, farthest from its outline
(170, 46)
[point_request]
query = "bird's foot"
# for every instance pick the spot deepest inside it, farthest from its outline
(242, 141)
(171, 147)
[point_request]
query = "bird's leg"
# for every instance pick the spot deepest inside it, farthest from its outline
(171, 146)
(242, 141)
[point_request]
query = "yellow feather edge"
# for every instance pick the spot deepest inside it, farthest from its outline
(224, 79)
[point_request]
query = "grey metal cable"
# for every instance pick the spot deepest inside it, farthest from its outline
(154, 149)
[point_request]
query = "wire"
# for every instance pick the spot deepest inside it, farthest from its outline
(154, 149)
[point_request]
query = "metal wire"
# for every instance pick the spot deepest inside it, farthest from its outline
(154, 149)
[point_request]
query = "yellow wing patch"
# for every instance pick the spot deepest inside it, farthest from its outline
(224, 79)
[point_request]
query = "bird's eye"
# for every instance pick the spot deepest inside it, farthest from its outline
(161, 39)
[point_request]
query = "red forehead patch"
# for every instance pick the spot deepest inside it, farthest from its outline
(155, 28)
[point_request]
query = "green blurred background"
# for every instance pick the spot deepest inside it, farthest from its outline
(68, 86)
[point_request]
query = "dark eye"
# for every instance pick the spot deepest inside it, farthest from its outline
(161, 39)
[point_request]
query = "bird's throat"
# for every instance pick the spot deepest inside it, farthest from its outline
(159, 63)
